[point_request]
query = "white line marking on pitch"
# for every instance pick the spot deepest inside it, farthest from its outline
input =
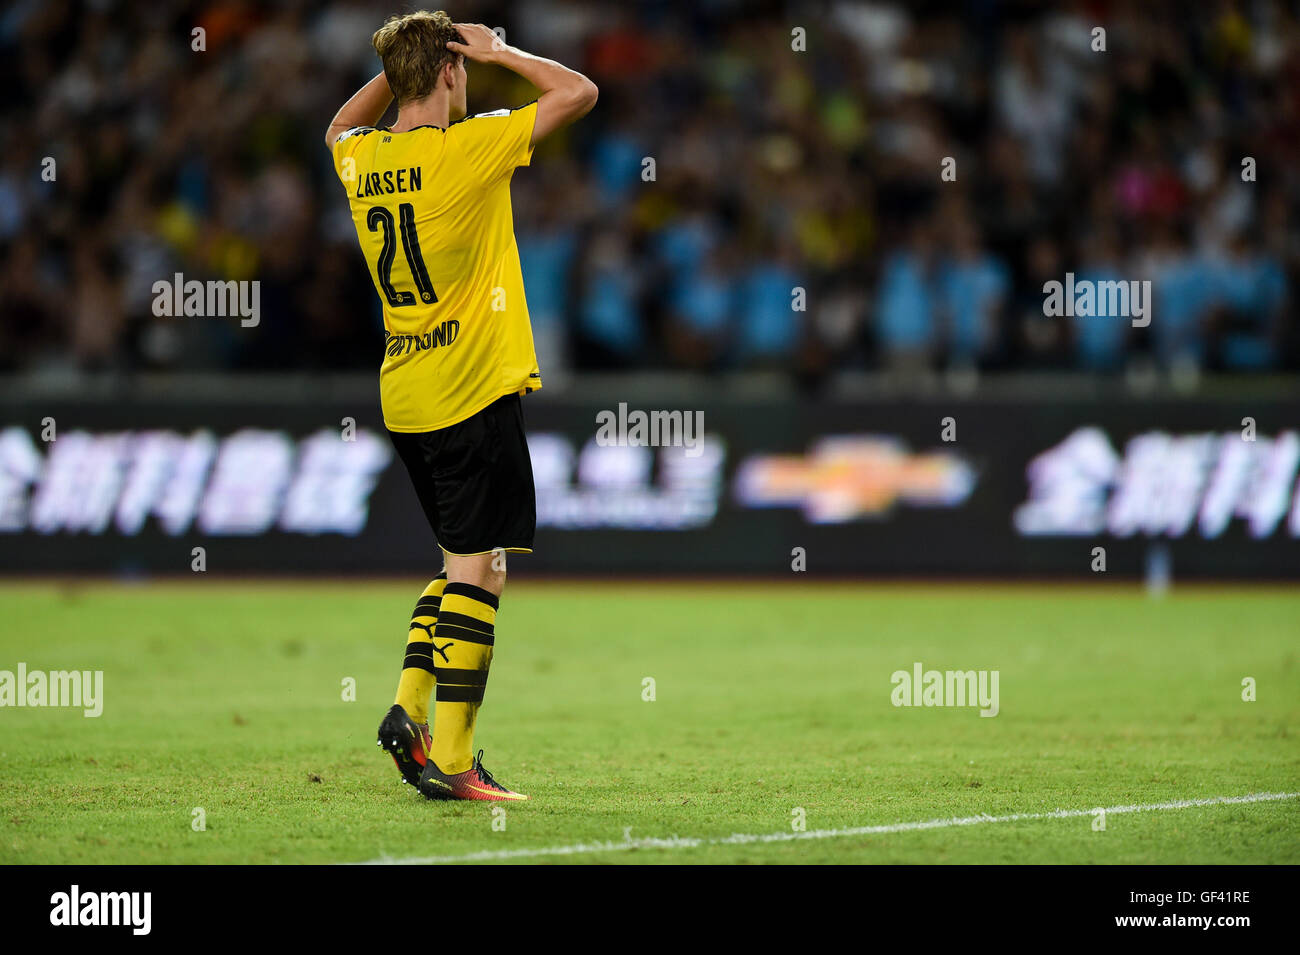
(740, 838)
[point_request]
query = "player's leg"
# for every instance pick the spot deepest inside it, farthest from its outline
(415, 686)
(462, 644)
(404, 732)
(486, 490)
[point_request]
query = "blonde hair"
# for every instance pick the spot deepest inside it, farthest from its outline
(414, 50)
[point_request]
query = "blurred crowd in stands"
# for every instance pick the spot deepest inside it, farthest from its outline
(760, 186)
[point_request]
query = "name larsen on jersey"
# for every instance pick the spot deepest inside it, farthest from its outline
(388, 181)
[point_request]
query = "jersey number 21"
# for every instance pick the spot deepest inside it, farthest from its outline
(378, 218)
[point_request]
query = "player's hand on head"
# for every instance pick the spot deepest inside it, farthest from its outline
(480, 45)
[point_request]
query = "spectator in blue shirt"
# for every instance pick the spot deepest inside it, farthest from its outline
(609, 320)
(1252, 284)
(768, 325)
(905, 307)
(1100, 338)
(971, 290)
(617, 157)
(701, 312)
(1184, 297)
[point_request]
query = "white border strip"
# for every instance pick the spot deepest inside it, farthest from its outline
(675, 842)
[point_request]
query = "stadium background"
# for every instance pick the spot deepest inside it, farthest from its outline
(774, 169)
(921, 418)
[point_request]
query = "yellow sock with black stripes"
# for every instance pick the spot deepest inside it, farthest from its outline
(462, 642)
(416, 684)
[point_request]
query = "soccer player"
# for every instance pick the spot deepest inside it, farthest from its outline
(430, 198)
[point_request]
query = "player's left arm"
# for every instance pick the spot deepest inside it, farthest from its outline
(365, 108)
(567, 95)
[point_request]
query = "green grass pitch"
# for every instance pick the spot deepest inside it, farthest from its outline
(228, 696)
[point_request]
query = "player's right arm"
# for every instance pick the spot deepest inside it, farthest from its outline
(567, 95)
(366, 107)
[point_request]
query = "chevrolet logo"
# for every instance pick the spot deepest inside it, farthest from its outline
(851, 477)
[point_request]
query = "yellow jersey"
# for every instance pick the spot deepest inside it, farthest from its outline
(432, 212)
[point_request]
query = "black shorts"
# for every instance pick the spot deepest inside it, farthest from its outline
(474, 480)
